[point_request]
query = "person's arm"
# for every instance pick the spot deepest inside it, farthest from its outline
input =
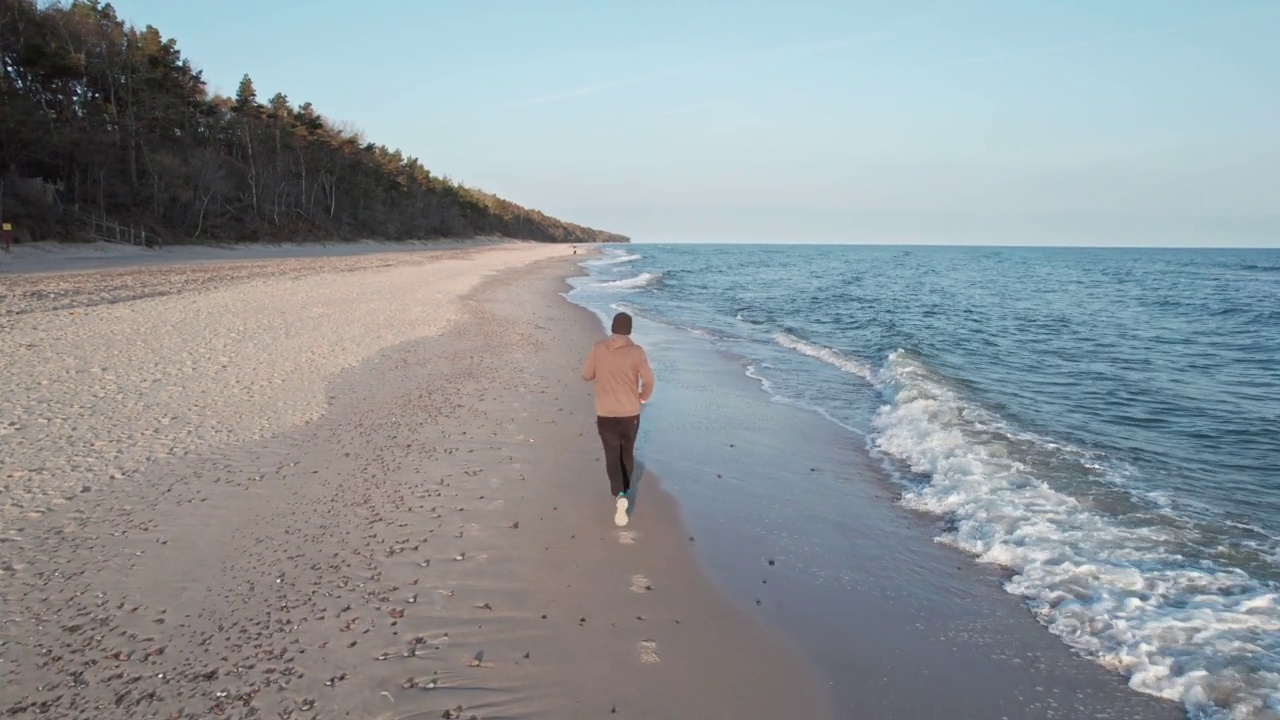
(589, 367)
(646, 378)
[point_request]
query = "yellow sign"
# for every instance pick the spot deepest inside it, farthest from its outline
(7, 227)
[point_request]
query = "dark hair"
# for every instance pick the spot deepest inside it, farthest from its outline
(622, 324)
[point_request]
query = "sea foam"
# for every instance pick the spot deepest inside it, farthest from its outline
(632, 283)
(615, 260)
(844, 361)
(1205, 636)
(1208, 637)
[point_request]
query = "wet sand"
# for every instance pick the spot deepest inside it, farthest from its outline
(345, 488)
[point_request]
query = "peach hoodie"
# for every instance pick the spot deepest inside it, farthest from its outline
(618, 367)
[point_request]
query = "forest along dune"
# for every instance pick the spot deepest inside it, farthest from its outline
(95, 388)
(203, 166)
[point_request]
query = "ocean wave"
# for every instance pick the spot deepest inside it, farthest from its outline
(845, 362)
(615, 260)
(632, 283)
(1206, 636)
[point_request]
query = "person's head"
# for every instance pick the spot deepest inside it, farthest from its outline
(621, 324)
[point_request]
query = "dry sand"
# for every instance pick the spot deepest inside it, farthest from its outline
(363, 486)
(106, 372)
(52, 257)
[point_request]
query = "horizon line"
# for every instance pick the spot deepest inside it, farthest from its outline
(851, 243)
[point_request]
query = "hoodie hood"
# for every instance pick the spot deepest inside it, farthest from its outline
(616, 341)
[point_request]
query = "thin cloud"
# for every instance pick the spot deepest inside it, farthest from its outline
(821, 47)
(1095, 42)
(690, 109)
(592, 89)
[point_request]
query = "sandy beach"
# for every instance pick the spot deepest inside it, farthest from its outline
(359, 484)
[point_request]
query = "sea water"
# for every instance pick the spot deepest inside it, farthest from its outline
(1105, 423)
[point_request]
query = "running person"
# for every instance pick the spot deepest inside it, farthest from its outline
(623, 382)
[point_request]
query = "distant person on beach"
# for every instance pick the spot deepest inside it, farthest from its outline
(623, 382)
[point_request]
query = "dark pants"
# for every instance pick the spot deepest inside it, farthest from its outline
(619, 437)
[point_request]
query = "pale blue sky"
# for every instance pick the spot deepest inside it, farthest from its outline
(985, 121)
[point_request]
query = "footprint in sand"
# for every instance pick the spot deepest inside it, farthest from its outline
(648, 651)
(626, 537)
(640, 584)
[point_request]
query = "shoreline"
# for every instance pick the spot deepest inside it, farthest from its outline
(393, 554)
(797, 521)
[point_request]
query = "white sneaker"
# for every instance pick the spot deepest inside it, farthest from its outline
(620, 517)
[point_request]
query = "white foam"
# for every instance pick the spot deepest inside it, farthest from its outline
(1207, 637)
(754, 373)
(845, 362)
(631, 283)
(609, 260)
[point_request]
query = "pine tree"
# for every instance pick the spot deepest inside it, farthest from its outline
(246, 95)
